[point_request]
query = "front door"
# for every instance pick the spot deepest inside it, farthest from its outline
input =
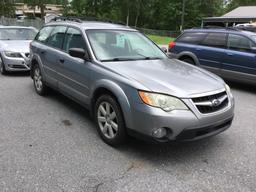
(74, 73)
(240, 60)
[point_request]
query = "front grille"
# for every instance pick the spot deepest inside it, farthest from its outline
(18, 66)
(194, 133)
(211, 103)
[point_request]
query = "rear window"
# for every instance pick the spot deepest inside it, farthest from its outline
(215, 40)
(191, 38)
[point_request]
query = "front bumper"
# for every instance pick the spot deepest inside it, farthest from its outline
(16, 64)
(182, 125)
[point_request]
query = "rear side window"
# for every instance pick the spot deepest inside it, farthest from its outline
(73, 39)
(44, 34)
(192, 38)
(57, 36)
(238, 42)
(215, 40)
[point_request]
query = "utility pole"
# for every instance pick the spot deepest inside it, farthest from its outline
(183, 14)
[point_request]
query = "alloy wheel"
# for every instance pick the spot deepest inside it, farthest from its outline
(107, 120)
(1, 65)
(38, 79)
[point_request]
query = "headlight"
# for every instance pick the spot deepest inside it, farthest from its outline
(228, 91)
(12, 54)
(165, 102)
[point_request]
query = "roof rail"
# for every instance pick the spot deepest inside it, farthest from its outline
(61, 18)
(82, 19)
(217, 27)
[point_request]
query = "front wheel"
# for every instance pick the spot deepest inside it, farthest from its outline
(39, 85)
(2, 67)
(110, 121)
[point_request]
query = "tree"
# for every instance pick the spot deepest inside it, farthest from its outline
(7, 8)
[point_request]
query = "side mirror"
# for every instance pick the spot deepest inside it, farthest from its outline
(164, 49)
(78, 53)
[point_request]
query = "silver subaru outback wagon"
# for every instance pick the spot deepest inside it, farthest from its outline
(128, 83)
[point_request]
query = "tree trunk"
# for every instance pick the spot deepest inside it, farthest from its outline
(137, 14)
(128, 17)
(34, 11)
(42, 7)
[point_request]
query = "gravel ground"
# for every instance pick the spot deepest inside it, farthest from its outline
(50, 144)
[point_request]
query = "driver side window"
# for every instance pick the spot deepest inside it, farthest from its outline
(73, 39)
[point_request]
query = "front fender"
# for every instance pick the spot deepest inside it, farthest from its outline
(119, 94)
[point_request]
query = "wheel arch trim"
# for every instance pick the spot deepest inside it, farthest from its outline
(118, 92)
(189, 54)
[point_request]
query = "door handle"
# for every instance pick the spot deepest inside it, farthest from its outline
(62, 60)
(42, 52)
(230, 54)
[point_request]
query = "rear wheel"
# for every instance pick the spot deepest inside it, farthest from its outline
(2, 67)
(39, 85)
(188, 60)
(110, 121)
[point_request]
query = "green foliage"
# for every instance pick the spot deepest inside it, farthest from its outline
(154, 14)
(160, 40)
(7, 8)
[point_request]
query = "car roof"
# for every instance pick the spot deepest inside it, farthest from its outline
(92, 25)
(222, 30)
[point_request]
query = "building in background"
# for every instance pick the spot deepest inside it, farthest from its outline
(22, 10)
(243, 14)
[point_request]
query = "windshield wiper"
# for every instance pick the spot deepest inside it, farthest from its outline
(147, 57)
(117, 59)
(151, 58)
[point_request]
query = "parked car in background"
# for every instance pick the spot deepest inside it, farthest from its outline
(14, 48)
(229, 53)
(247, 27)
(128, 83)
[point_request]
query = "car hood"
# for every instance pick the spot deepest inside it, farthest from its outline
(15, 46)
(169, 76)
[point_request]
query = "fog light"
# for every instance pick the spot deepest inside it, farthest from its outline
(160, 133)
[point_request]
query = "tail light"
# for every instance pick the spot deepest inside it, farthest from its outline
(171, 45)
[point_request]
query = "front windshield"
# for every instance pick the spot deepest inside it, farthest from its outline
(118, 45)
(17, 34)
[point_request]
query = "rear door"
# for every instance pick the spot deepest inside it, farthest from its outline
(41, 50)
(53, 51)
(240, 59)
(211, 51)
(74, 73)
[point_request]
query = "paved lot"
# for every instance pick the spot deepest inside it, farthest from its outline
(50, 144)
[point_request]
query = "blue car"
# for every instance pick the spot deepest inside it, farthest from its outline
(228, 53)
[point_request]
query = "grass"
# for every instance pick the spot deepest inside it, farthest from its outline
(160, 40)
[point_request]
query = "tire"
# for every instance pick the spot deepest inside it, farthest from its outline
(2, 67)
(40, 87)
(109, 121)
(188, 60)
